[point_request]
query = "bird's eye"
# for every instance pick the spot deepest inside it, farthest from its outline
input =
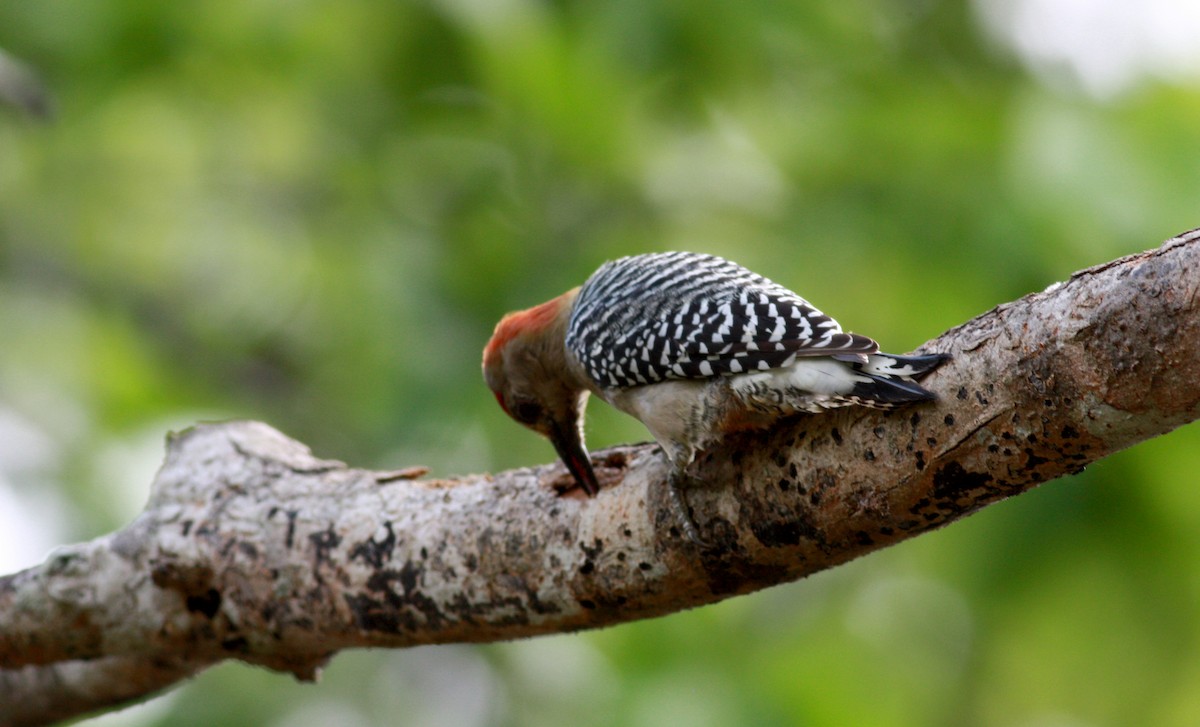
(527, 412)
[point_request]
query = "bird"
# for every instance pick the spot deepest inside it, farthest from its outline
(695, 347)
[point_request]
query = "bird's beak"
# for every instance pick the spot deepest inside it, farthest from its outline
(570, 449)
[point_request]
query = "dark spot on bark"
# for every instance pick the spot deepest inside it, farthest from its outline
(915, 419)
(472, 562)
(589, 605)
(370, 614)
(879, 432)
(863, 538)
(993, 448)
(908, 525)
(953, 479)
(919, 505)
(981, 398)
(644, 566)
(187, 527)
(594, 551)
(837, 436)
(394, 611)
(616, 459)
(869, 455)
(784, 485)
(962, 392)
(290, 540)
(247, 549)
(1033, 460)
(532, 602)
(409, 575)
(377, 552)
(793, 471)
(621, 557)
(1069, 432)
(774, 532)
(622, 600)
(1032, 439)
(627, 533)
(920, 460)
(236, 644)
(1047, 403)
(949, 419)
(206, 604)
(193, 583)
(381, 580)
(931, 516)
(885, 530)
(777, 534)
(324, 542)
(730, 571)
(587, 568)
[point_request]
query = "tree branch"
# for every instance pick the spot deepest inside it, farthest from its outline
(251, 548)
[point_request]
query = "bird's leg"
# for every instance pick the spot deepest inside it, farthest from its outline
(676, 481)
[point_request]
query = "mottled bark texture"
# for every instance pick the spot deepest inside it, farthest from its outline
(251, 548)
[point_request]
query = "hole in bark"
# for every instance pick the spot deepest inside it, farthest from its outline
(206, 604)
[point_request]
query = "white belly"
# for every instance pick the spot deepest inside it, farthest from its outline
(686, 415)
(820, 376)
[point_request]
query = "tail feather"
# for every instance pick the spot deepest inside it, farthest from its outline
(893, 379)
(879, 381)
(909, 367)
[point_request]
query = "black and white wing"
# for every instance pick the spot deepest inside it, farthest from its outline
(680, 315)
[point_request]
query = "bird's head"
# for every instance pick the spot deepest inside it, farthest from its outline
(525, 365)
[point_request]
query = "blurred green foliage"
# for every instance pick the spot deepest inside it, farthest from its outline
(312, 213)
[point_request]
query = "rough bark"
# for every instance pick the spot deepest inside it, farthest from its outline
(251, 548)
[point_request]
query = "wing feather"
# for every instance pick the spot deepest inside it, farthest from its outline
(660, 316)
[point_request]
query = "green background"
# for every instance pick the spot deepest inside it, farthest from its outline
(313, 213)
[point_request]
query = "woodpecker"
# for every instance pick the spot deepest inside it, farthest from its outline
(694, 346)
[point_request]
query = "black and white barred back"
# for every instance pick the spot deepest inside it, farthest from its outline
(680, 315)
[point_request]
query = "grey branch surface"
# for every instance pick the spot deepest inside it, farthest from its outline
(251, 548)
